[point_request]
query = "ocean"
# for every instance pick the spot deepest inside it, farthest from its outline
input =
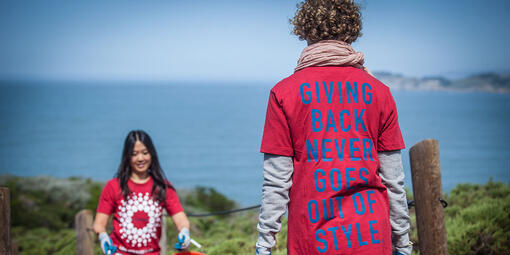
(209, 134)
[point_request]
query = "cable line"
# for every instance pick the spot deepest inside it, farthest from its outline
(222, 212)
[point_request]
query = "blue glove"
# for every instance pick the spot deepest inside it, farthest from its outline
(183, 240)
(106, 244)
(263, 251)
(398, 253)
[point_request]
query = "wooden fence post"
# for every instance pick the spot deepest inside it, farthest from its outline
(426, 175)
(163, 243)
(84, 235)
(5, 221)
(15, 248)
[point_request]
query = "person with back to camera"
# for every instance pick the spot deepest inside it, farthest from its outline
(331, 147)
(136, 198)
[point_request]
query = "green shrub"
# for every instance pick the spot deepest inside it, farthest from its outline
(478, 219)
(95, 189)
(44, 241)
(48, 202)
(208, 199)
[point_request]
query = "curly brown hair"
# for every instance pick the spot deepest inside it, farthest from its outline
(317, 20)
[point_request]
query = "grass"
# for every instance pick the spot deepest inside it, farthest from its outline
(43, 209)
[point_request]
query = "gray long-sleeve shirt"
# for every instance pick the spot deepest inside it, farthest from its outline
(275, 197)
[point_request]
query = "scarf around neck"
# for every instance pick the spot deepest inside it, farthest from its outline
(330, 53)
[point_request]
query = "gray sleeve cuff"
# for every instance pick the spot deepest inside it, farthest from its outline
(402, 244)
(275, 196)
(392, 176)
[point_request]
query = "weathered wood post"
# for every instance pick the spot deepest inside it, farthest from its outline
(84, 237)
(5, 221)
(14, 247)
(426, 175)
(162, 241)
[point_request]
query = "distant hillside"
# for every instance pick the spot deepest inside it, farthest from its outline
(488, 82)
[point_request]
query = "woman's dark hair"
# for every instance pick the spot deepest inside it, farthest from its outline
(124, 172)
(317, 20)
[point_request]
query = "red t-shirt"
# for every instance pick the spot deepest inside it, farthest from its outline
(333, 121)
(137, 220)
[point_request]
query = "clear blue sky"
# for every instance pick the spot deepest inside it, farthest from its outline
(238, 40)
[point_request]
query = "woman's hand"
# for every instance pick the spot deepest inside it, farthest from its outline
(99, 227)
(183, 240)
(182, 223)
(263, 251)
(106, 244)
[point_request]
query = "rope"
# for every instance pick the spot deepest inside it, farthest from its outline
(223, 212)
(410, 204)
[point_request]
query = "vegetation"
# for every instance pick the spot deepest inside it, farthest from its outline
(478, 219)
(206, 199)
(43, 209)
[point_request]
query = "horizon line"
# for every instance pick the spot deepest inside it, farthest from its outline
(37, 78)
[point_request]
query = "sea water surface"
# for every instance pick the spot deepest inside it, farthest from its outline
(210, 134)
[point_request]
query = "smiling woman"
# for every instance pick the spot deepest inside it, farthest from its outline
(140, 162)
(136, 198)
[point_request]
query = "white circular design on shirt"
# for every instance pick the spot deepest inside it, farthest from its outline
(140, 202)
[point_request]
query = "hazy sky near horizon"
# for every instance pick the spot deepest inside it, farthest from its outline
(238, 40)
